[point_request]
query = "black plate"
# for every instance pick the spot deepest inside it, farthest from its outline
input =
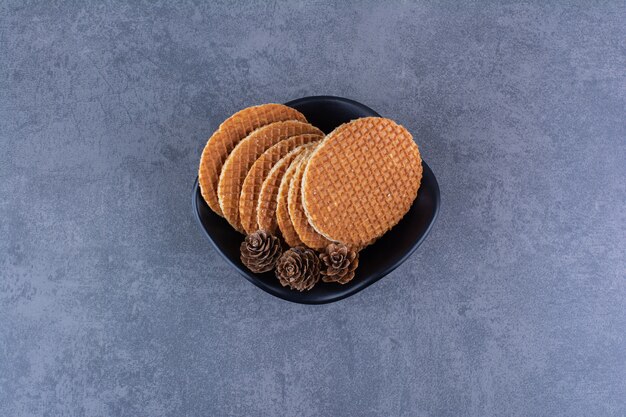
(376, 261)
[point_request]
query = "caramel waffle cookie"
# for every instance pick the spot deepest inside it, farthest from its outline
(304, 230)
(268, 196)
(361, 180)
(257, 174)
(243, 156)
(226, 137)
(282, 204)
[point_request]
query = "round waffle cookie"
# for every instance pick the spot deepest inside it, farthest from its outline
(305, 231)
(229, 133)
(361, 180)
(258, 173)
(247, 151)
(282, 210)
(266, 206)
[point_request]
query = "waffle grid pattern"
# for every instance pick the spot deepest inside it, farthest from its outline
(266, 207)
(361, 180)
(282, 210)
(244, 155)
(257, 174)
(224, 140)
(307, 234)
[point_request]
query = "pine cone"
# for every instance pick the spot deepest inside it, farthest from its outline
(260, 251)
(338, 263)
(298, 268)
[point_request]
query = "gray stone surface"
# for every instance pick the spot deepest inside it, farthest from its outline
(112, 303)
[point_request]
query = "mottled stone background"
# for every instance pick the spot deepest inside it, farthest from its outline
(112, 303)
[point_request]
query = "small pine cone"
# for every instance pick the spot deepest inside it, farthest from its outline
(260, 251)
(298, 268)
(338, 263)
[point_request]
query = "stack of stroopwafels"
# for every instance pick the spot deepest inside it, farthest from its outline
(266, 168)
